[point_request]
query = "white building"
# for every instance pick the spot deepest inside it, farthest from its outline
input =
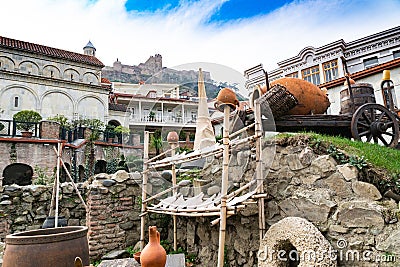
(153, 106)
(51, 81)
(366, 59)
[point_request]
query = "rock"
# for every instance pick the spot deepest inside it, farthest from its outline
(310, 179)
(101, 176)
(67, 188)
(215, 169)
(129, 262)
(167, 175)
(108, 182)
(362, 214)
(324, 165)
(127, 225)
(366, 190)
(215, 189)
(315, 211)
(136, 175)
(338, 229)
(306, 156)
(243, 157)
(336, 183)
(120, 176)
(6, 202)
(116, 254)
(298, 233)
(390, 244)
(348, 171)
(294, 162)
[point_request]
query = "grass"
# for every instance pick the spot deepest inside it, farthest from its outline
(378, 156)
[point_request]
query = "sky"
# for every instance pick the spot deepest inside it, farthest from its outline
(235, 33)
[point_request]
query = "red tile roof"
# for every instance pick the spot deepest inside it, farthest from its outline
(49, 51)
(363, 73)
(105, 80)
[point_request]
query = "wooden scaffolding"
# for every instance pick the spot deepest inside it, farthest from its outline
(221, 205)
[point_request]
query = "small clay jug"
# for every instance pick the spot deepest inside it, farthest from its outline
(153, 254)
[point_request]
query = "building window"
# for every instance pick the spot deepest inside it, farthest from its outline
(16, 102)
(293, 75)
(311, 75)
(330, 70)
(152, 94)
(396, 54)
(370, 62)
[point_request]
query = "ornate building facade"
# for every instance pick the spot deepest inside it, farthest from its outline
(51, 81)
(324, 66)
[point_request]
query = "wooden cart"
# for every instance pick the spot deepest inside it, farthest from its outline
(361, 118)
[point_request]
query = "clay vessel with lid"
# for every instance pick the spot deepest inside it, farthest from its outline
(153, 254)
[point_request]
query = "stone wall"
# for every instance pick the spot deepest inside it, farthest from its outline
(113, 217)
(300, 183)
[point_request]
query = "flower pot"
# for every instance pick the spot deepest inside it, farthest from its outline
(153, 254)
(26, 134)
(226, 96)
(172, 137)
(136, 256)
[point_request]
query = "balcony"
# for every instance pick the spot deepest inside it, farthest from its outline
(49, 130)
(162, 120)
(12, 128)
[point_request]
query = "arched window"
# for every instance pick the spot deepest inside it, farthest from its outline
(16, 102)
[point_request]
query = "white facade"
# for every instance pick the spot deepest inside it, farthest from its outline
(155, 105)
(50, 81)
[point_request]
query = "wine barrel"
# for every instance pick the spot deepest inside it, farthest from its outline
(362, 93)
(47, 247)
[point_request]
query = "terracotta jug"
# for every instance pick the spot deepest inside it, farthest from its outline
(153, 254)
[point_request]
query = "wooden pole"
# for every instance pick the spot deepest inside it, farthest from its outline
(224, 188)
(59, 149)
(259, 169)
(72, 181)
(144, 187)
(173, 170)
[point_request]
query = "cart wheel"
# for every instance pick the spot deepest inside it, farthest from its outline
(376, 124)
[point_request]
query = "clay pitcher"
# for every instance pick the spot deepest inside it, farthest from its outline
(153, 254)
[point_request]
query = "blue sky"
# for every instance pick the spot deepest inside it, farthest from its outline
(235, 33)
(229, 10)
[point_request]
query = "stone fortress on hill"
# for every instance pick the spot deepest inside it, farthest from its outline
(151, 71)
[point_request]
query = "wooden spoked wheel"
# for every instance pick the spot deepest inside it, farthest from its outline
(373, 123)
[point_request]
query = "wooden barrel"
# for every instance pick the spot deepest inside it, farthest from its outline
(362, 93)
(47, 247)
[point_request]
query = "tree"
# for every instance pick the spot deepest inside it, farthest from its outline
(156, 141)
(27, 119)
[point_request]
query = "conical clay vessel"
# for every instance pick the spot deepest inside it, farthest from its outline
(153, 254)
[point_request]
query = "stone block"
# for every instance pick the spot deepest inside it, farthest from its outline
(366, 190)
(348, 171)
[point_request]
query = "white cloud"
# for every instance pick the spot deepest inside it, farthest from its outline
(181, 35)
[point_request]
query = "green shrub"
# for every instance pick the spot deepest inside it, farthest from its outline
(27, 119)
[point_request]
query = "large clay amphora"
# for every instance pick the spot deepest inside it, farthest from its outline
(153, 254)
(51, 247)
